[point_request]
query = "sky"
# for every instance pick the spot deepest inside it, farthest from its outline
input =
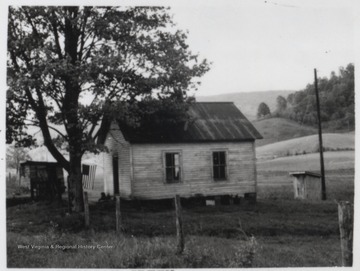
(267, 45)
(254, 45)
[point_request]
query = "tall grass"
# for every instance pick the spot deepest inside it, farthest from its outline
(288, 232)
(111, 251)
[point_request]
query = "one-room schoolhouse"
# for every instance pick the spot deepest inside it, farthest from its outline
(213, 155)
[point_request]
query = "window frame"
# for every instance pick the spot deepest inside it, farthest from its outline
(226, 177)
(165, 167)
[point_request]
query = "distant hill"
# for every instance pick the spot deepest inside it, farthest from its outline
(248, 102)
(278, 129)
(307, 144)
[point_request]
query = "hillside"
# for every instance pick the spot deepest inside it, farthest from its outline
(248, 102)
(279, 129)
(337, 102)
(307, 144)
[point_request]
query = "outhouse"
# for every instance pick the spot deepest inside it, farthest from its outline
(44, 179)
(307, 185)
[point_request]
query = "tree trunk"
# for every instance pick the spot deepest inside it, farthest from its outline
(75, 178)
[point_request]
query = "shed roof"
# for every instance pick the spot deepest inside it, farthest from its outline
(303, 173)
(211, 121)
(38, 163)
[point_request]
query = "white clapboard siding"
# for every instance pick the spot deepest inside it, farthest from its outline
(196, 171)
(117, 145)
(141, 168)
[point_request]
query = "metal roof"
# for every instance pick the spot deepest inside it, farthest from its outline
(28, 162)
(210, 121)
(310, 173)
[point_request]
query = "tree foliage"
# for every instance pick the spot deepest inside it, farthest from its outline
(281, 104)
(263, 110)
(73, 66)
(14, 156)
(336, 101)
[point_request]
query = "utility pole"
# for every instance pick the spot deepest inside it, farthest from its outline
(323, 188)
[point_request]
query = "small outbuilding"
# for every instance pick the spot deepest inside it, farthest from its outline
(44, 179)
(307, 185)
(213, 155)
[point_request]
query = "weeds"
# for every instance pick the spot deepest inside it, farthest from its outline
(215, 237)
(288, 232)
(110, 251)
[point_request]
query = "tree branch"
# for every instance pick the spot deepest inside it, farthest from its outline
(37, 124)
(30, 22)
(56, 34)
(83, 34)
(41, 115)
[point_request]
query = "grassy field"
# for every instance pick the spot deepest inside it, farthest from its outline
(286, 233)
(274, 180)
(279, 129)
(307, 144)
(332, 160)
(277, 231)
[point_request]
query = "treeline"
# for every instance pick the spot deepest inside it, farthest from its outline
(337, 105)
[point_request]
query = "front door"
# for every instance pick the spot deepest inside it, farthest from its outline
(115, 163)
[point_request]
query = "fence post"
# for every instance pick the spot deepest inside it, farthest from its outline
(118, 215)
(345, 212)
(179, 226)
(86, 210)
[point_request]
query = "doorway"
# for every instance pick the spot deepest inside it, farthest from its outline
(115, 162)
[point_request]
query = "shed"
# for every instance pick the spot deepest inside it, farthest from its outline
(213, 155)
(44, 179)
(307, 185)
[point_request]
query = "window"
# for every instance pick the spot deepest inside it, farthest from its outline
(219, 165)
(172, 167)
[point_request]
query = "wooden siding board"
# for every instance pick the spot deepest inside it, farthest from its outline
(117, 145)
(148, 171)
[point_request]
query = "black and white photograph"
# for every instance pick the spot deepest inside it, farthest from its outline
(179, 134)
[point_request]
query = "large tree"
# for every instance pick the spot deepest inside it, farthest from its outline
(263, 111)
(72, 67)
